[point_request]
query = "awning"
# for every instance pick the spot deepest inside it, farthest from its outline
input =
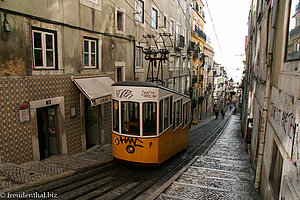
(96, 89)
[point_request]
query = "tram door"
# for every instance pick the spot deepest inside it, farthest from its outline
(48, 135)
(92, 129)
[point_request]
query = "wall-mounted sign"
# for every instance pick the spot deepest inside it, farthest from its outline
(101, 100)
(73, 111)
(24, 114)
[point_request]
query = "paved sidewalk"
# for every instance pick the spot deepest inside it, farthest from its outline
(16, 177)
(224, 172)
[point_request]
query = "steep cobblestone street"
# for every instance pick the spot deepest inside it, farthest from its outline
(224, 172)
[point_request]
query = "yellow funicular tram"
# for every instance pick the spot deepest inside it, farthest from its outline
(150, 122)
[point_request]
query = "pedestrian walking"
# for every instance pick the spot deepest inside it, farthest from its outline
(223, 113)
(217, 114)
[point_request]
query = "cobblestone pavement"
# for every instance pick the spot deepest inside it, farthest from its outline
(16, 177)
(224, 172)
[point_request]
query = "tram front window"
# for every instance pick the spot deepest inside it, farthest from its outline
(130, 118)
(149, 118)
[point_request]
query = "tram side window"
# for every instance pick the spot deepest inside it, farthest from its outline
(174, 117)
(149, 118)
(177, 113)
(161, 105)
(189, 112)
(115, 115)
(184, 114)
(170, 113)
(166, 113)
(130, 118)
(180, 111)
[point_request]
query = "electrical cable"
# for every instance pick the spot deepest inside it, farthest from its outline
(216, 35)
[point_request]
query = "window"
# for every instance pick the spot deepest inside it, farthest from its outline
(115, 115)
(44, 49)
(130, 118)
(293, 39)
(164, 22)
(172, 27)
(120, 21)
(170, 113)
(276, 171)
(140, 10)
(166, 113)
(154, 18)
(184, 114)
(161, 116)
(119, 74)
(184, 34)
(149, 118)
(177, 114)
(177, 62)
(177, 33)
(90, 53)
(138, 57)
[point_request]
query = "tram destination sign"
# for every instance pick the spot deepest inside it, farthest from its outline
(136, 93)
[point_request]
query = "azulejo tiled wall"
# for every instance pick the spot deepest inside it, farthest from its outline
(16, 137)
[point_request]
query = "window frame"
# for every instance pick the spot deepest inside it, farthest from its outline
(140, 17)
(287, 34)
(154, 23)
(43, 47)
(138, 57)
(143, 119)
(177, 114)
(172, 27)
(138, 120)
(90, 40)
(122, 23)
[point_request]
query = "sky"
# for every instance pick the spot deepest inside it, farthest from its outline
(230, 20)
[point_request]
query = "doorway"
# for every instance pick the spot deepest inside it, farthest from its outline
(48, 131)
(92, 124)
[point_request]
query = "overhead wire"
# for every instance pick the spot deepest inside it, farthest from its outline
(216, 34)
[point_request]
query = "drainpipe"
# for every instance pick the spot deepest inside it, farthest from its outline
(134, 50)
(267, 96)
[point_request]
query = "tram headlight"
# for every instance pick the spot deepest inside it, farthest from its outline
(130, 149)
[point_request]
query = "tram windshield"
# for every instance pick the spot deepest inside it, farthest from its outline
(130, 118)
(149, 118)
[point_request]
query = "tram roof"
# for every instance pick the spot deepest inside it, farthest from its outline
(146, 84)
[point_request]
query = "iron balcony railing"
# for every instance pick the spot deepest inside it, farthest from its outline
(199, 33)
(180, 41)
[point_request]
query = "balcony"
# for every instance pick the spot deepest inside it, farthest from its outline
(195, 78)
(199, 33)
(180, 42)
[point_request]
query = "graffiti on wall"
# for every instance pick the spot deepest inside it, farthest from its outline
(287, 121)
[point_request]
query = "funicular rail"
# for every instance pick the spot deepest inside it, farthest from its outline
(119, 181)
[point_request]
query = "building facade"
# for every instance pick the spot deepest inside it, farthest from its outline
(50, 57)
(271, 101)
(197, 63)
